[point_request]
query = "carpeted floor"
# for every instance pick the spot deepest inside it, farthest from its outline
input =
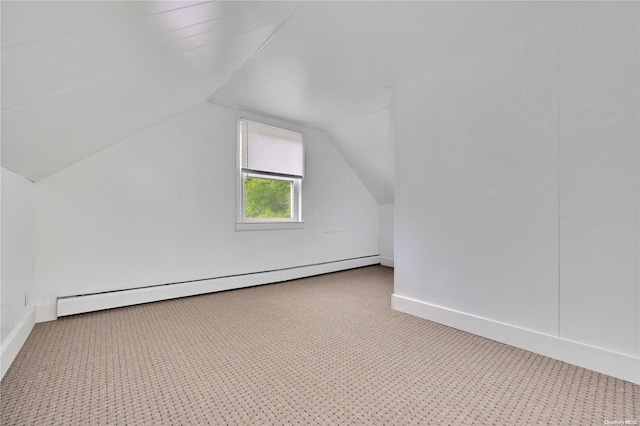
(323, 350)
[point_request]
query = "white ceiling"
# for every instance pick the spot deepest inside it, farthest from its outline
(78, 77)
(332, 62)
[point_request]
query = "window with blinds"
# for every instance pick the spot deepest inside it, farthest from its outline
(272, 150)
(272, 169)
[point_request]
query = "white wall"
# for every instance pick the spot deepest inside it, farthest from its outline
(385, 232)
(517, 190)
(17, 263)
(160, 208)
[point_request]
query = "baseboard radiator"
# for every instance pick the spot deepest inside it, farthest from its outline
(71, 305)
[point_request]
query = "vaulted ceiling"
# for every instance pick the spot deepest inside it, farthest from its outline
(78, 77)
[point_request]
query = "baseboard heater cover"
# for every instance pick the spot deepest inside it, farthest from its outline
(71, 305)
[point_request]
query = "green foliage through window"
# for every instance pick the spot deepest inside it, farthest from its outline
(265, 198)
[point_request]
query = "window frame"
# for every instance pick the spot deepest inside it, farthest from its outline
(244, 223)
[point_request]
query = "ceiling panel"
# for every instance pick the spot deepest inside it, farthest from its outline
(31, 76)
(74, 93)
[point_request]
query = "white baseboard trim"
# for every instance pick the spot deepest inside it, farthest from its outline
(46, 313)
(115, 299)
(386, 261)
(16, 340)
(622, 366)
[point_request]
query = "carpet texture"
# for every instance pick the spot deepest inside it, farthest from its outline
(323, 350)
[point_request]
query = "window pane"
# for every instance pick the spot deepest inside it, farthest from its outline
(266, 198)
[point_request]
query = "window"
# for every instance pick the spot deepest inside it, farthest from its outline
(271, 173)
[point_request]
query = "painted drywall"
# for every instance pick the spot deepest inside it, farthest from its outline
(160, 208)
(17, 263)
(517, 190)
(385, 234)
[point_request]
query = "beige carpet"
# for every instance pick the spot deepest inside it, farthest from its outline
(322, 350)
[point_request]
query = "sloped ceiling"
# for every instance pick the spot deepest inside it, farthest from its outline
(78, 77)
(367, 144)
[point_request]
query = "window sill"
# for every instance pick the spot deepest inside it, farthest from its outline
(268, 226)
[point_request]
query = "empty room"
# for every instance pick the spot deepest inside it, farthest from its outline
(333, 213)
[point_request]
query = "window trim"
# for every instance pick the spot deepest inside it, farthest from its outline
(244, 223)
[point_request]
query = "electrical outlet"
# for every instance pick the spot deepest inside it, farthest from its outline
(26, 298)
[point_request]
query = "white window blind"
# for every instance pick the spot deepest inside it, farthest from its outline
(272, 150)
